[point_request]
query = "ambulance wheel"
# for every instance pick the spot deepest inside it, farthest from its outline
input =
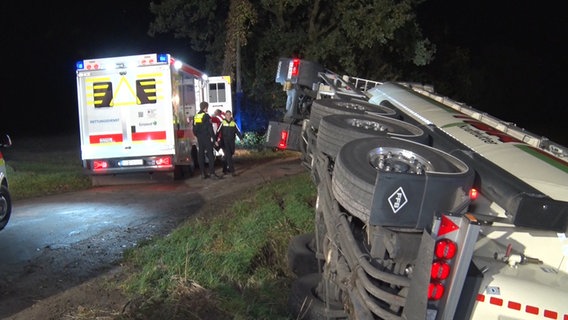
(183, 171)
(359, 161)
(194, 157)
(306, 301)
(325, 107)
(5, 206)
(336, 130)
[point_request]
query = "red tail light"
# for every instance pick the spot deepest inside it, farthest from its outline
(283, 140)
(445, 249)
(440, 270)
(100, 165)
(164, 161)
(435, 291)
(473, 194)
(295, 67)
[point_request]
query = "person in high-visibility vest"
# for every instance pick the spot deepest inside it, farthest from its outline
(228, 133)
(203, 130)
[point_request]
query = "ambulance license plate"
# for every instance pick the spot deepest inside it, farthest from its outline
(132, 162)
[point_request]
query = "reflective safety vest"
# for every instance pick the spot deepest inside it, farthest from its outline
(226, 123)
(198, 119)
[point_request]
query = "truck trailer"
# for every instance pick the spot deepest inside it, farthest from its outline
(136, 113)
(427, 208)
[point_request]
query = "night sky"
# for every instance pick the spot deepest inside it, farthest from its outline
(42, 42)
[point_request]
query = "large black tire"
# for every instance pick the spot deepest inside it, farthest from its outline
(355, 170)
(304, 301)
(5, 206)
(336, 130)
(325, 107)
(302, 258)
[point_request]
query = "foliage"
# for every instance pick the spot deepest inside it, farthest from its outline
(252, 141)
(201, 22)
(371, 38)
(242, 16)
(239, 267)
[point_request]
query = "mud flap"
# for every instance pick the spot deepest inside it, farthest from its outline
(417, 300)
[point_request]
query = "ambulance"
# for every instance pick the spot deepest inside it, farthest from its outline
(136, 112)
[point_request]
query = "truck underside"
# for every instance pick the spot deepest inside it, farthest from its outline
(426, 208)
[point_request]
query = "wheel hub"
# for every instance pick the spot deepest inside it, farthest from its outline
(368, 125)
(398, 160)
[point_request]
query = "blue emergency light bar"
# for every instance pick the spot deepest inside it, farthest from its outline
(80, 65)
(163, 57)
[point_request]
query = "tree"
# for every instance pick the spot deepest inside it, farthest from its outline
(368, 38)
(201, 22)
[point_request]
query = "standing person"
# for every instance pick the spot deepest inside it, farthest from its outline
(228, 133)
(216, 119)
(203, 130)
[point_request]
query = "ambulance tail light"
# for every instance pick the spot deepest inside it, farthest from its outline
(100, 165)
(164, 161)
(283, 140)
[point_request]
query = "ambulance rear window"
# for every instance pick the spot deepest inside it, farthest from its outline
(217, 93)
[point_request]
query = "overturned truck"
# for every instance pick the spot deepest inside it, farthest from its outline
(427, 208)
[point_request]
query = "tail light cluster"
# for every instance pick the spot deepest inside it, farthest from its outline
(295, 67)
(100, 165)
(283, 140)
(445, 251)
(164, 161)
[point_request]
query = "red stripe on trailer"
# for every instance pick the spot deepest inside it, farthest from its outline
(145, 136)
(105, 138)
(549, 314)
(531, 309)
(514, 305)
(496, 301)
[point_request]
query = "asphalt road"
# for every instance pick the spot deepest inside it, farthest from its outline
(55, 242)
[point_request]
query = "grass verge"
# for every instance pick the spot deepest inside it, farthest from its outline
(229, 266)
